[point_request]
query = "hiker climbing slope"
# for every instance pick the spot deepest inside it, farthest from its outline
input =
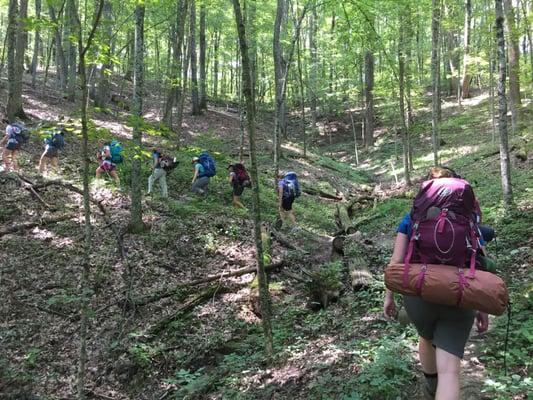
(204, 169)
(54, 141)
(16, 135)
(239, 179)
(288, 191)
(108, 159)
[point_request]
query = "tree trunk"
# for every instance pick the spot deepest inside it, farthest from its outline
(84, 280)
(203, 75)
(505, 166)
(527, 28)
(36, 45)
(17, 42)
(103, 92)
(401, 76)
(369, 99)
(513, 57)
(176, 81)
(215, 64)
(302, 97)
(278, 83)
(314, 65)
(70, 18)
(61, 64)
(264, 296)
(465, 77)
(195, 101)
(435, 24)
(136, 223)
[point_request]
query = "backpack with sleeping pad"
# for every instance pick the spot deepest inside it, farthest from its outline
(210, 167)
(17, 135)
(168, 163)
(55, 139)
(116, 149)
(242, 175)
(291, 186)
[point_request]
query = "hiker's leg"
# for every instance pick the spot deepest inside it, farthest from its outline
(14, 162)
(54, 161)
(151, 180)
(42, 162)
(237, 202)
(99, 172)
(448, 367)
(5, 158)
(163, 183)
(114, 175)
(428, 360)
(292, 217)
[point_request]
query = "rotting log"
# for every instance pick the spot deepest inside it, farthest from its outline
(356, 260)
(344, 221)
(317, 192)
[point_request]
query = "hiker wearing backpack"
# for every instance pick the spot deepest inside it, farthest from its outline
(204, 168)
(443, 330)
(15, 137)
(239, 179)
(288, 191)
(53, 143)
(161, 165)
(105, 161)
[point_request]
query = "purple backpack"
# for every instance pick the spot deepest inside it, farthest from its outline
(444, 229)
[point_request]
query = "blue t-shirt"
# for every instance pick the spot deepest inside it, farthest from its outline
(200, 168)
(406, 227)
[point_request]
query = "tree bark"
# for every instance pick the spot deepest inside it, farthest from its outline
(505, 167)
(403, 117)
(279, 67)
(465, 77)
(136, 223)
(17, 37)
(264, 296)
(435, 98)
(61, 64)
(513, 57)
(216, 45)
(103, 92)
(203, 76)
(70, 18)
(314, 65)
(195, 101)
(369, 99)
(36, 44)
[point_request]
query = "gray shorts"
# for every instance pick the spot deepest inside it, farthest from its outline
(447, 327)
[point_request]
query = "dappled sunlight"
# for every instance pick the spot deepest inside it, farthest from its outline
(51, 238)
(471, 102)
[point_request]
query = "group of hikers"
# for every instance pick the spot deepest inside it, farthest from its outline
(110, 154)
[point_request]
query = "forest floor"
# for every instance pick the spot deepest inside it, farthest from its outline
(204, 341)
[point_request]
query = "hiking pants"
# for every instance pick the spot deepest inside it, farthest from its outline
(161, 175)
(200, 185)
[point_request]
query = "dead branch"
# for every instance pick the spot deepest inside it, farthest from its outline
(168, 293)
(33, 224)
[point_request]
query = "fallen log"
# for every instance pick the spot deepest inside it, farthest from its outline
(33, 224)
(283, 240)
(344, 221)
(357, 262)
(168, 293)
(321, 193)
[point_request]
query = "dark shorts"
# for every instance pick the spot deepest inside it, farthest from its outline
(286, 203)
(237, 189)
(51, 152)
(447, 327)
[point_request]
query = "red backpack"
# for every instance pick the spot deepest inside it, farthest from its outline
(444, 229)
(242, 175)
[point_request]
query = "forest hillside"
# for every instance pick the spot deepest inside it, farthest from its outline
(110, 292)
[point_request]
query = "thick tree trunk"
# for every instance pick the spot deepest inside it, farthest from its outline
(203, 75)
(505, 166)
(369, 99)
(264, 296)
(16, 49)
(435, 98)
(195, 100)
(513, 57)
(36, 45)
(465, 77)
(136, 223)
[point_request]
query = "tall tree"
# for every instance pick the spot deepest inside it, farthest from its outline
(401, 78)
(314, 64)
(279, 67)
(36, 43)
(103, 91)
(61, 63)
(465, 78)
(203, 74)
(70, 18)
(264, 296)
(136, 223)
(195, 101)
(513, 56)
(435, 98)
(17, 38)
(505, 166)
(369, 99)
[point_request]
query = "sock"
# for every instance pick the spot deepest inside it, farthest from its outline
(431, 382)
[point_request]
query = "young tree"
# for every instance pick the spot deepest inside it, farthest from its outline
(369, 99)
(61, 63)
(513, 56)
(136, 223)
(195, 101)
(70, 18)
(36, 44)
(203, 76)
(465, 78)
(401, 78)
(505, 166)
(264, 295)
(103, 90)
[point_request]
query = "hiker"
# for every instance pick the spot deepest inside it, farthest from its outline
(53, 142)
(204, 168)
(443, 330)
(239, 179)
(105, 162)
(161, 165)
(11, 143)
(288, 190)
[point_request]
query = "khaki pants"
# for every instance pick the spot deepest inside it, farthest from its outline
(161, 175)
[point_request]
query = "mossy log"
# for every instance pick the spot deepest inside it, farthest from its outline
(344, 221)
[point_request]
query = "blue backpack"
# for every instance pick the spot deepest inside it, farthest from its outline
(18, 135)
(291, 186)
(55, 139)
(210, 167)
(116, 149)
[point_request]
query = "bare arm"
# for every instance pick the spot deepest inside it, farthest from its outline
(400, 247)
